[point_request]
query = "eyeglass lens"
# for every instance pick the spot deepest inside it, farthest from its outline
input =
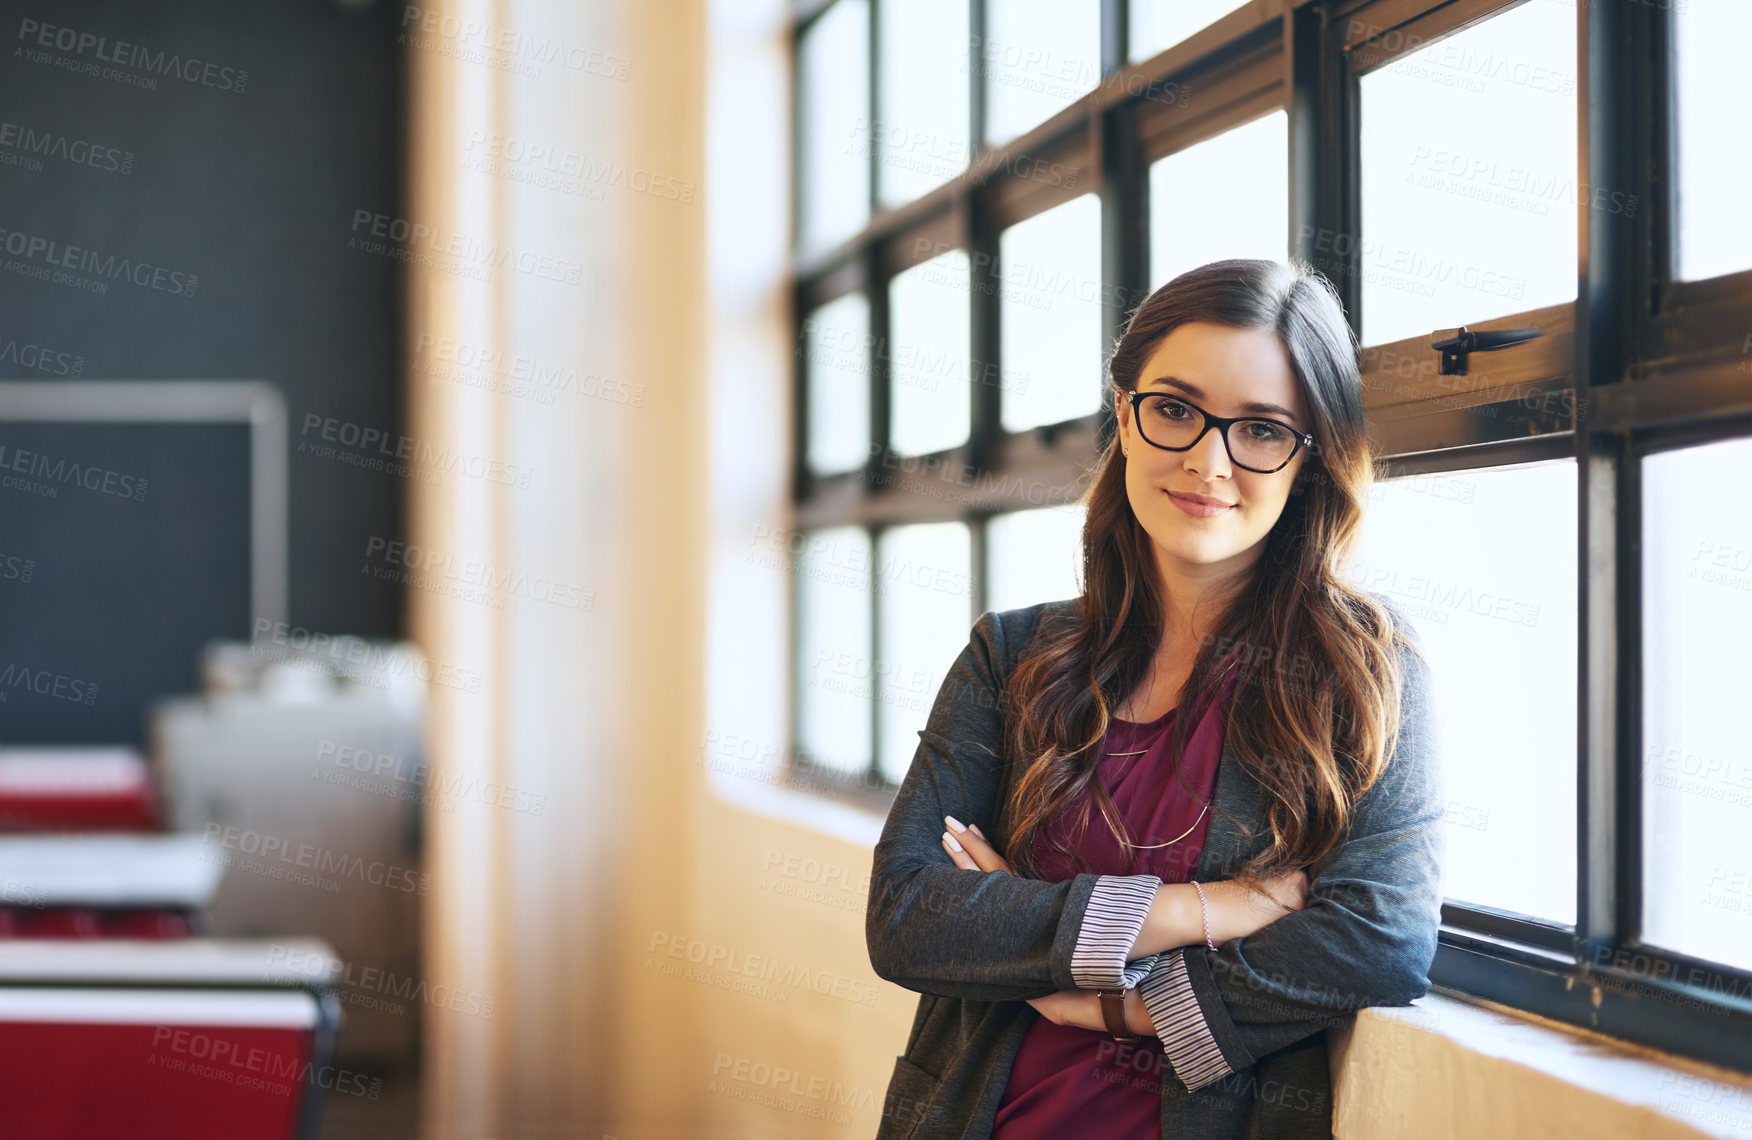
(1168, 422)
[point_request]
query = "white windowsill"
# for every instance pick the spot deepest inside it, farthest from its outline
(1448, 1066)
(770, 798)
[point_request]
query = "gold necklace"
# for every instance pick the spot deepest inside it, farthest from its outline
(1177, 838)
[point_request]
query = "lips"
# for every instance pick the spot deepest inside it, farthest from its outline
(1198, 506)
(1207, 500)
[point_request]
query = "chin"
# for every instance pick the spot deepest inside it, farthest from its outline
(1199, 553)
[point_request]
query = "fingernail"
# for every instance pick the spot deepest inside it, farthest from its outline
(954, 824)
(950, 840)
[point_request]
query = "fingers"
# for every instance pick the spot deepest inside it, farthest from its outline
(973, 844)
(1289, 889)
(958, 854)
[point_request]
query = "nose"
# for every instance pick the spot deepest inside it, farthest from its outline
(1208, 458)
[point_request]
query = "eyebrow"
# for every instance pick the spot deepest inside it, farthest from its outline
(1251, 406)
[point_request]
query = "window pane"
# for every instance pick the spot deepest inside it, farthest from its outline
(833, 116)
(922, 128)
(1225, 197)
(1050, 314)
(1715, 164)
(922, 584)
(1483, 565)
(1039, 57)
(1034, 556)
(1697, 764)
(1469, 176)
(928, 338)
(836, 340)
(833, 649)
(1157, 25)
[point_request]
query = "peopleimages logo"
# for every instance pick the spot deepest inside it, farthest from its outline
(41, 466)
(31, 143)
(421, 244)
(41, 358)
(43, 257)
(38, 39)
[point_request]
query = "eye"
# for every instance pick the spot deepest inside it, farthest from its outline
(1167, 408)
(1265, 431)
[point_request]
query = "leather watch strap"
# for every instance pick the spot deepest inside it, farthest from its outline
(1113, 1013)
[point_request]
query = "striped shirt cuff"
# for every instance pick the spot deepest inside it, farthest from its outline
(1186, 1036)
(1117, 908)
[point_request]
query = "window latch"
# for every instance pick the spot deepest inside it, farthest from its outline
(1455, 348)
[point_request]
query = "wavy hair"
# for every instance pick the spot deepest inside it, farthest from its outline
(1314, 659)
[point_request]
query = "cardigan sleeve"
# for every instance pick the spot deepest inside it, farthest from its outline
(938, 929)
(1366, 937)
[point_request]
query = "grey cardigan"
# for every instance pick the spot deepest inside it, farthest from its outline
(1246, 1054)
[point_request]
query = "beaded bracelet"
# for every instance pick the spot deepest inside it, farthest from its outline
(1205, 914)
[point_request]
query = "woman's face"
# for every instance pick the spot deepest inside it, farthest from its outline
(1227, 372)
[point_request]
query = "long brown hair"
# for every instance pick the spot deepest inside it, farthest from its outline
(1313, 658)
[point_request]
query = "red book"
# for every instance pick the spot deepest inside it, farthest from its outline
(76, 789)
(94, 1064)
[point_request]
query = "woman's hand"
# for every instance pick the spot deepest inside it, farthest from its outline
(1082, 1009)
(1079, 1008)
(970, 850)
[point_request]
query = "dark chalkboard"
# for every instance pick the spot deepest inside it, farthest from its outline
(123, 548)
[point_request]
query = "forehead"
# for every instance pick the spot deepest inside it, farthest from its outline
(1229, 367)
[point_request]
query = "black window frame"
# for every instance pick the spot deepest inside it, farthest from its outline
(1643, 362)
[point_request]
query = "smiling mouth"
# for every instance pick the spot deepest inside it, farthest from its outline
(1198, 507)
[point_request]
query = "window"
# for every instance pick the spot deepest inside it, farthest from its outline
(1156, 26)
(833, 198)
(928, 317)
(1491, 627)
(1036, 57)
(835, 344)
(921, 132)
(1469, 175)
(925, 598)
(1034, 556)
(1201, 212)
(1697, 640)
(1050, 319)
(1555, 511)
(1715, 231)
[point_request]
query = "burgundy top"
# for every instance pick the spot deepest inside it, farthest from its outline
(1068, 1081)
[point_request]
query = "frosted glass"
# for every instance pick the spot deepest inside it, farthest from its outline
(1034, 556)
(1228, 196)
(923, 583)
(1049, 320)
(1482, 563)
(833, 648)
(1038, 57)
(921, 132)
(1469, 189)
(1715, 164)
(1697, 645)
(833, 119)
(928, 322)
(836, 348)
(1157, 25)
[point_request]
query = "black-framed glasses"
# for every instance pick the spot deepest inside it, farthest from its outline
(1175, 424)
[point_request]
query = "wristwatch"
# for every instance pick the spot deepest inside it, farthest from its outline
(1113, 1013)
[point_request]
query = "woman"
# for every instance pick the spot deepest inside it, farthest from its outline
(1084, 815)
